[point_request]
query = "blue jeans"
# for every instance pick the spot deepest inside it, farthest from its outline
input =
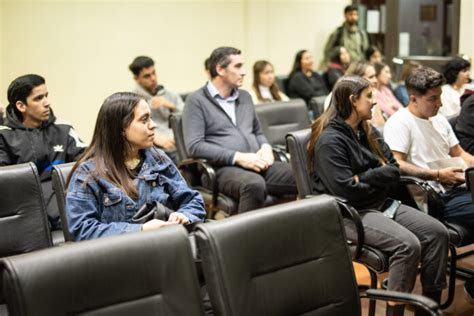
(458, 207)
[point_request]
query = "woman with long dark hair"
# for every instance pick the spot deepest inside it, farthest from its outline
(386, 100)
(303, 81)
(339, 60)
(121, 172)
(264, 87)
(348, 158)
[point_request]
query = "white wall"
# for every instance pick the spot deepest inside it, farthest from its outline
(466, 36)
(83, 48)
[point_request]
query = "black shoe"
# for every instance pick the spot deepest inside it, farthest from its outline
(469, 289)
(395, 310)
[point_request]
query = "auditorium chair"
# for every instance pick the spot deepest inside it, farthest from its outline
(459, 236)
(375, 260)
(200, 175)
(288, 259)
(282, 82)
(60, 174)
(23, 220)
(316, 105)
(280, 118)
(145, 273)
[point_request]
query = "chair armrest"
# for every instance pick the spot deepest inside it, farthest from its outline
(351, 213)
(209, 172)
(411, 180)
(412, 299)
(279, 151)
(435, 203)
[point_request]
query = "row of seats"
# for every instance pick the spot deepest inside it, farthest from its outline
(289, 259)
(375, 260)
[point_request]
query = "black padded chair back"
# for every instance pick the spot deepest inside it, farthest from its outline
(282, 82)
(288, 259)
(279, 118)
(296, 144)
(176, 126)
(147, 273)
(316, 104)
(60, 175)
(23, 221)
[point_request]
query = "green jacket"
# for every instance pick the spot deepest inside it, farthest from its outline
(355, 42)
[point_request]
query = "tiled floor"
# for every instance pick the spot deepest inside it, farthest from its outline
(460, 307)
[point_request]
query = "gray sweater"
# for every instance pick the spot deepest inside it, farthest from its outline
(210, 134)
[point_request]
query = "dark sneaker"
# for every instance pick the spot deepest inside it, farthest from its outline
(469, 289)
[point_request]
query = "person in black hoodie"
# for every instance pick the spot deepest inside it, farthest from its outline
(348, 158)
(464, 126)
(32, 133)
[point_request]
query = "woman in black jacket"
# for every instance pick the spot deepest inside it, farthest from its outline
(303, 82)
(465, 123)
(349, 159)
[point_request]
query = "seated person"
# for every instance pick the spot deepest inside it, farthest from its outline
(418, 135)
(121, 171)
(348, 158)
(32, 133)
(373, 55)
(339, 60)
(162, 101)
(264, 87)
(220, 125)
(456, 72)
(387, 102)
(303, 82)
(465, 123)
(401, 92)
(2, 110)
(367, 71)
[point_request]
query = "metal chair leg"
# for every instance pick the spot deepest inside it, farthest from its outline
(373, 285)
(452, 277)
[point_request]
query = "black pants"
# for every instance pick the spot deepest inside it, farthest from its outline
(251, 188)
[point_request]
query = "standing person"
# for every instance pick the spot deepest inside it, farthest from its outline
(264, 87)
(162, 101)
(121, 172)
(220, 125)
(349, 35)
(457, 72)
(348, 158)
(32, 133)
(303, 81)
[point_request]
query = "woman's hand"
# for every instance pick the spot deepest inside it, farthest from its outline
(155, 224)
(178, 218)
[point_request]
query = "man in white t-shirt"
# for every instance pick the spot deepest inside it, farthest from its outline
(418, 135)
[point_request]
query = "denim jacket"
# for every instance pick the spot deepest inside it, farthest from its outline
(96, 208)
